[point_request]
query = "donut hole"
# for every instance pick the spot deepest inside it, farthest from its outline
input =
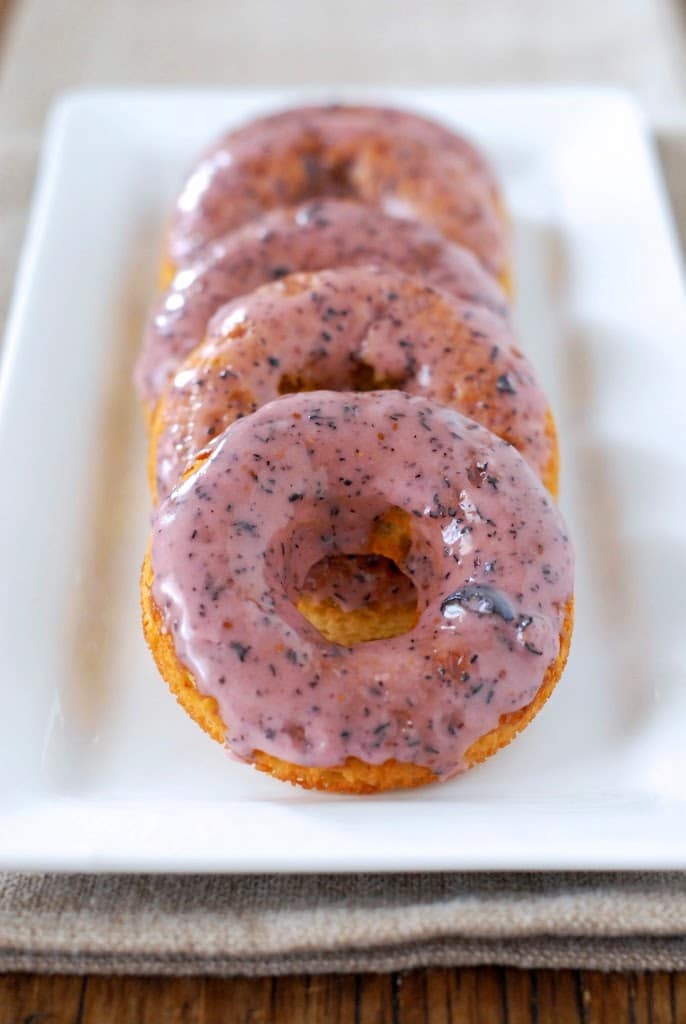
(361, 376)
(355, 598)
(340, 177)
(326, 174)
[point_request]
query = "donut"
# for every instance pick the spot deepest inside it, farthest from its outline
(313, 236)
(322, 475)
(404, 163)
(354, 328)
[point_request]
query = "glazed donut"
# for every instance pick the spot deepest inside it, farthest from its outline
(351, 329)
(405, 164)
(311, 476)
(314, 236)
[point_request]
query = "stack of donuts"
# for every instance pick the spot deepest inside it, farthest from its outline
(358, 578)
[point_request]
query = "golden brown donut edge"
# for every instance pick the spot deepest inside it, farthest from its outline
(354, 776)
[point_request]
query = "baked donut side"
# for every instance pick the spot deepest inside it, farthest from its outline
(353, 777)
(351, 329)
(493, 569)
(406, 164)
(316, 235)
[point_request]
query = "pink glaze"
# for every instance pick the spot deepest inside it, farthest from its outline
(409, 166)
(316, 235)
(307, 475)
(320, 330)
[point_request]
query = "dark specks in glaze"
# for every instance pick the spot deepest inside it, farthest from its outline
(499, 555)
(479, 598)
(353, 328)
(408, 165)
(317, 235)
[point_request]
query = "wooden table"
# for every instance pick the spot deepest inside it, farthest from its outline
(488, 995)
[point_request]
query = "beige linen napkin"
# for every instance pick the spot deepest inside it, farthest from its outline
(288, 924)
(283, 924)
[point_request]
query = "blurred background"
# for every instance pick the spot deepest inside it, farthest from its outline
(50, 45)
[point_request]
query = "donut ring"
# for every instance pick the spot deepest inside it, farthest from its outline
(351, 329)
(404, 163)
(313, 236)
(492, 566)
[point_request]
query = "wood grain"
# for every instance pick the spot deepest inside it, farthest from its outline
(148, 1001)
(485, 995)
(41, 999)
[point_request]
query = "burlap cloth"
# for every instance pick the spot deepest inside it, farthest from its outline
(284, 924)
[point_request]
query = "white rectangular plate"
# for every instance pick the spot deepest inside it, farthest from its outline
(99, 770)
